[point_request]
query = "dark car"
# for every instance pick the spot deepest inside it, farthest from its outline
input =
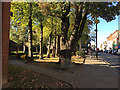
(110, 51)
(105, 51)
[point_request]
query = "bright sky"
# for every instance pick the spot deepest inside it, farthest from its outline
(105, 29)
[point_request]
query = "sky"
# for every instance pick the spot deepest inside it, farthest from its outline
(105, 29)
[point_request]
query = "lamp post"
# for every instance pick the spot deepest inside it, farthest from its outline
(96, 42)
(96, 22)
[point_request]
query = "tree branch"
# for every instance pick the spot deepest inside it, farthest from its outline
(76, 36)
(65, 23)
(78, 19)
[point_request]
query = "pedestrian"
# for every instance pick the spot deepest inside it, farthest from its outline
(90, 52)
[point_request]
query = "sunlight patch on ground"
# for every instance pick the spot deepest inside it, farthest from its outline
(115, 66)
(94, 62)
(46, 60)
(56, 59)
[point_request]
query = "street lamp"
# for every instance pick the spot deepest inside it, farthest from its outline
(96, 42)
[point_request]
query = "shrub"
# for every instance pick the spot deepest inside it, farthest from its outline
(80, 53)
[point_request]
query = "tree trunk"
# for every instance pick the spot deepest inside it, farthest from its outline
(80, 47)
(17, 51)
(75, 49)
(67, 47)
(65, 58)
(54, 44)
(30, 48)
(36, 49)
(64, 47)
(49, 45)
(41, 40)
(24, 46)
(58, 45)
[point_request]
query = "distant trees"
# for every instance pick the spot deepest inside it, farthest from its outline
(22, 15)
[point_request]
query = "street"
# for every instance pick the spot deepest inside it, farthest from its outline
(112, 60)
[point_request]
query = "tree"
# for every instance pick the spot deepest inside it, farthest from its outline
(93, 36)
(30, 49)
(53, 25)
(82, 10)
(41, 44)
(54, 44)
(41, 19)
(27, 14)
(22, 15)
(58, 33)
(49, 43)
(85, 36)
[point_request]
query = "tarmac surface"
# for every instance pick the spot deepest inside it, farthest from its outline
(92, 74)
(112, 60)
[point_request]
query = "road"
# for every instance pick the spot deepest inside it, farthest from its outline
(112, 60)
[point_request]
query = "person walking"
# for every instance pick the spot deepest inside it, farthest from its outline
(90, 52)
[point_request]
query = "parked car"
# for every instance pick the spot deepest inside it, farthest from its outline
(118, 52)
(114, 51)
(110, 51)
(105, 51)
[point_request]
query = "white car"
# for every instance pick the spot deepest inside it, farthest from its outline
(118, 52)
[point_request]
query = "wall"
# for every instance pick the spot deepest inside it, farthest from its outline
(112, 39)
(5, 39)
(119, 28)
(109, 45)
(0, 45)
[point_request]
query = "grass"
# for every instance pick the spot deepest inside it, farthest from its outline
(52, 62)
(56, 59)
(53, 59)
(20, 78)
(44, 55)
(16, 51)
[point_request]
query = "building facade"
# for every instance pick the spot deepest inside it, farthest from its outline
(119, 30)
(112, 41)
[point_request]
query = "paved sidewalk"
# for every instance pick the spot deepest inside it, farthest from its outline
(93, 74)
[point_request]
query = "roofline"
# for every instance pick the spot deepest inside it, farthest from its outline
(112, 33)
